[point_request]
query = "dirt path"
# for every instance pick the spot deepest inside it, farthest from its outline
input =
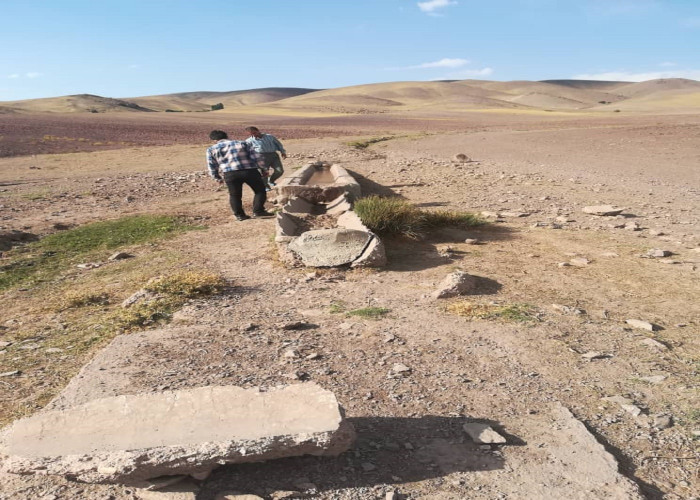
(514, 375)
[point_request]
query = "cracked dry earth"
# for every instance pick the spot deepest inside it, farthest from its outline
(534, 381)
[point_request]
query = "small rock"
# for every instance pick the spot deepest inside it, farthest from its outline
(655, 344)
(590, 356)
(368, 466)
(236, 496)
(5, 344)
(89, 265)
(457, 283)
(632, 226)
(567, 309)
(658, 253)
(654, 379)
(284, 495)
(579, 262)
(602, 210)
(291, 354)
(400, 369)
(120, 256)
(393, 495)
(460, 158)
(313, 356)
(662, 422)
(471, 241)
(642, 325)
(11, 374)
(564, 264)
(483, 433)
(248, 327)
(626, 404)
(514, 214)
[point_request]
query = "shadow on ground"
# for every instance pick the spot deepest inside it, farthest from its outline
(405, 255)
(388, 451)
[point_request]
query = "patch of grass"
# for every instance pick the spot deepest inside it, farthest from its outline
(370, 312)
(512, 313)
(367, 142)
(394, 216)
(337, 307)
(48, 257)
(35, 196)
(73, 299)
(169, 294)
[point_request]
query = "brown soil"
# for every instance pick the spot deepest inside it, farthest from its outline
(538, 174)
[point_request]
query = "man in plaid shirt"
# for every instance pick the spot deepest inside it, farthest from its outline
(238, 162)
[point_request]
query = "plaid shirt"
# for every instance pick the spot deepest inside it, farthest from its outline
(227, 155)
(266, 143)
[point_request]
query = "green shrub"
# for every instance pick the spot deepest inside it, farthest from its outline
(394, 216)
(369, 312)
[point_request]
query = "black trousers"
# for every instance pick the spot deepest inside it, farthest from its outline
(234, 182)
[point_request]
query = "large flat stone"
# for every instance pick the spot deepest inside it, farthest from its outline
(131, 438)
(330, 247)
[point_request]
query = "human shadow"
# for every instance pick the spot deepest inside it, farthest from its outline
(388, 450)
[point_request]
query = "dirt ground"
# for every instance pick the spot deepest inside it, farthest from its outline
(531, 177)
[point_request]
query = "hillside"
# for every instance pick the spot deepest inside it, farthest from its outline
(664, 95)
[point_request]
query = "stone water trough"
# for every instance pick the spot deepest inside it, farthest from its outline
(318, 182)
(317, 226)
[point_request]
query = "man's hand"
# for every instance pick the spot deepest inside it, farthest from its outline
(284, 156)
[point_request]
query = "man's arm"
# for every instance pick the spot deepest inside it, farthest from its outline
(279, 146)
(213, 166)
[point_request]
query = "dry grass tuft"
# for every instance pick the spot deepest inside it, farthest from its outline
(512, 313)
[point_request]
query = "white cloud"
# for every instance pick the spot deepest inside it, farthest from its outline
(627, 76)
(442, 63)
(14, 75)
(432, 5)
(33, 74)
(667, 64)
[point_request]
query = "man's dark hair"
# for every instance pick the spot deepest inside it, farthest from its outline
(217, 135)
(252, 129)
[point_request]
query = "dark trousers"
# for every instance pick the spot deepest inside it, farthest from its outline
(234, 182)
(272, 160)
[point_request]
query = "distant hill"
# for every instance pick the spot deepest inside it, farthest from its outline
(673, 95)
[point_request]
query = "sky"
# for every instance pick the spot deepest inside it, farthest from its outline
(131, 48)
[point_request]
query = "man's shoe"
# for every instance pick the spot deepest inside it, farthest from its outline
(273, 184)
(263, 214)
(242, 217)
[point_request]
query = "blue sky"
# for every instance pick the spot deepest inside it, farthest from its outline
(131, 48)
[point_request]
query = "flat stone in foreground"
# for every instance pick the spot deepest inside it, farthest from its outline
(129, 439)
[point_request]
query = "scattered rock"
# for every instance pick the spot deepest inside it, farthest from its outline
(457, 283)
(567, 309)
(579, 262)
(472, 241)
(658, 253)
(654, 379)
(626, 404)
(602, 210)
(120, 256)
(590, 356)
(483, 433)
(662, 422)
(655, 344)
(237, 496)
(642, 325)
(400, 369)
(11, 374)
(515, 214)
(460, 158)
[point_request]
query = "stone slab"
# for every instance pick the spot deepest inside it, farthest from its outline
(330, 247)
(131, 438)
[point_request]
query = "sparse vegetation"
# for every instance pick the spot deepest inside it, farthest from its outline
(512, 313)
(217, 106)
(369, 312)
(394, 216)
(337, 308)
(46, 258)
(367, 142)
(73, 299)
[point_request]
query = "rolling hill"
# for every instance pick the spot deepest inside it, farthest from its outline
(664, 95)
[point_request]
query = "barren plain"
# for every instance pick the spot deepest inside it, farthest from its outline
(574, 279)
